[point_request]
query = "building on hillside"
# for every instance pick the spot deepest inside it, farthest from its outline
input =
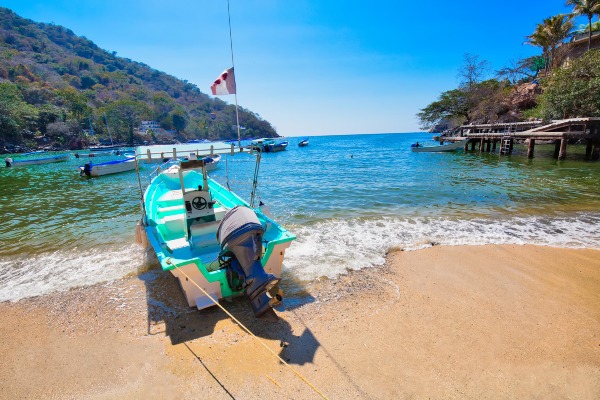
(148, 125)
(579, 45)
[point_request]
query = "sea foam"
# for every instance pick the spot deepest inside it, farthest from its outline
(330, 248)
(326, 248)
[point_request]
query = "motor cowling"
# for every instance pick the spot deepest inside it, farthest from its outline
(240, 237)
(87, 168)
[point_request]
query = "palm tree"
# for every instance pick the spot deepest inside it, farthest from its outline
(540, 38)
(587, 8)
(559, 27)
(549, 35)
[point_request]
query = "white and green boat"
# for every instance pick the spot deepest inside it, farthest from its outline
(210, 238)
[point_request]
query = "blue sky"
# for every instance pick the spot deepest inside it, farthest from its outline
(310, 67)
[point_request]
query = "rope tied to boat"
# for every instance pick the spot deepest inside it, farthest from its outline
(313, 387)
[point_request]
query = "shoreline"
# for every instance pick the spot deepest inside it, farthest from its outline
(499, 321)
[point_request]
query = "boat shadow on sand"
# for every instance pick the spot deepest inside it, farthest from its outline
(169, 314)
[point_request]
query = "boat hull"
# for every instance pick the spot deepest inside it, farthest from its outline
(113, 167)
(39, 161)
(441, 148)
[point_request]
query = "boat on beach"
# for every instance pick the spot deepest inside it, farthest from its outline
(216, 244)
(107, 168)
(10, 162)
(417, 148)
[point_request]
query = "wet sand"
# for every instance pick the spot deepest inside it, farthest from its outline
(445, 322)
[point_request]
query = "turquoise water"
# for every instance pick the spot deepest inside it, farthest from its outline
(349, 199)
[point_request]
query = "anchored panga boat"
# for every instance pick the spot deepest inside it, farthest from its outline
(210, 238)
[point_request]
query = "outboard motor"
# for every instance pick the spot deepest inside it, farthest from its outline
(8, 161)
(87, 168)
(240, 237)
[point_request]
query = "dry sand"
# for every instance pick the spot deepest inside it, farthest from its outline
(446, 322)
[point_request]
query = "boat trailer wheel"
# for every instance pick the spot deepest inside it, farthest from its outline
(199, 203)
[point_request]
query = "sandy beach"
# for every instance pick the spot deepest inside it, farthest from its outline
(464, 322)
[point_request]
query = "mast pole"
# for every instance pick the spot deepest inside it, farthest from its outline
(108, 129)
(237, 116)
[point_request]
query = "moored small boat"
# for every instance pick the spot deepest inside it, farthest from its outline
(105, 148)
(268, 145)
(107, 168)
(434, 149)
(10, 162)
(92, 155)
(212, 161)
(303, 143)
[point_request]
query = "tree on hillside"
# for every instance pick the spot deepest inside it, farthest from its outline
(179, 119)
(76, 103)
(15, 114)
(125, 115)
(451, 106)
(559, 28)
(541, 38)
(587, 8)
(573, 91)
(473, 70)
(526, 68)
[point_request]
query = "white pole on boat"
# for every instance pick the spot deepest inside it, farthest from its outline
(91, 127)
(255, 180)
(237, 116)
(108, 129)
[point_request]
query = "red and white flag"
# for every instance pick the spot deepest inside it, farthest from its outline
(225, 84)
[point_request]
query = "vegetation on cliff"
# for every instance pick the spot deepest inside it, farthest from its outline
(54, 84)
(557, 84)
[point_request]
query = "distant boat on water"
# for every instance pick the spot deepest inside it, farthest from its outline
(33, 152)
(97, 154)
(417, 148)
(268, 145)
(104, 148)
(36, 161)
(303, 142)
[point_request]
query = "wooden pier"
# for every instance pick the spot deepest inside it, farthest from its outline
(502, 136)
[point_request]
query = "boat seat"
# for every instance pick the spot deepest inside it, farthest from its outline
(172, 226)
(203, 234)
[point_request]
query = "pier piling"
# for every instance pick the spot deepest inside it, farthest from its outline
(563, 149)
(596, 152)
(530, 148)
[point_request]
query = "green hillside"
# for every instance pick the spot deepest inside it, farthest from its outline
(55, 84)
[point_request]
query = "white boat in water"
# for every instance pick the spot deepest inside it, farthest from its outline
(107, 168)
(104, 148)
(216, 244)
(91, 155)
(35, 161)
(268, 145)
(433, 149)
(212, 161)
